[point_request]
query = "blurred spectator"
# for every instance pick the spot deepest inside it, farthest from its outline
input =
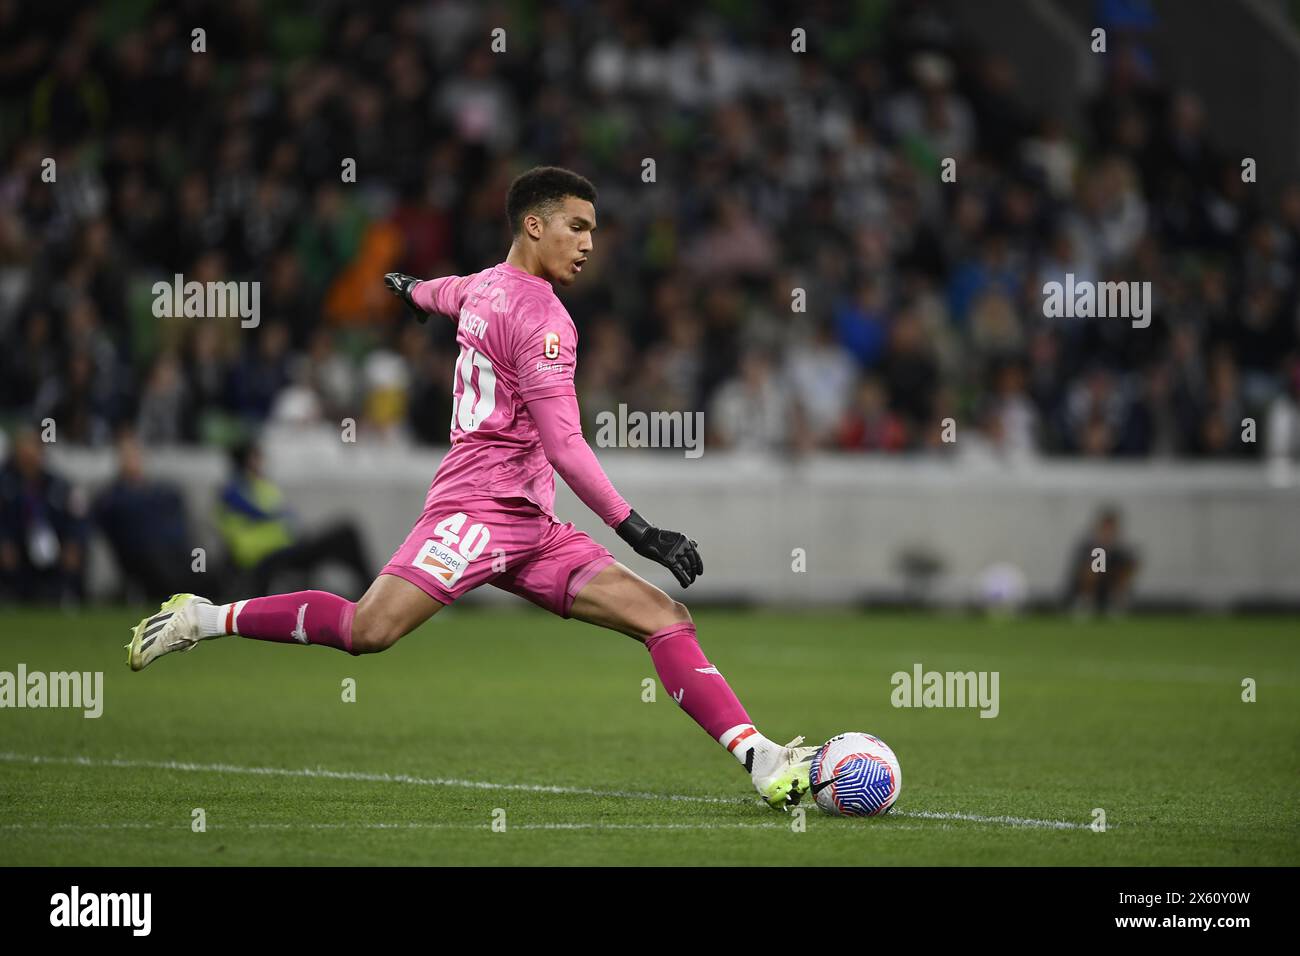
(1283, 423)
(1101, 568)
(869, 425)
(161, 418)
(477, 104)
(751, 411)
(932, 119)
(681, 361)
(431, 381)
(1111, 214)
(1155, 426)
(147, 529)
(735, 244)
(1011, 414)
(264, 538)
(995, 329)
(862, 323)
(43, 528)
(1222, 413)
(821, 375)
(260, 373)
(911, 372)
(1095, 412)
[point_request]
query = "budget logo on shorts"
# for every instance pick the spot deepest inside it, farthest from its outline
(441, 563)
(551, 345)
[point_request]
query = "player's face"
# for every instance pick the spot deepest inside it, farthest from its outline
(566, 240)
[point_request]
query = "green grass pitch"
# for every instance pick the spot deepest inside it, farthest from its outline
(485, 710)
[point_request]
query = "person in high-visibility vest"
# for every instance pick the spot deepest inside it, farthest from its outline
(264, 538)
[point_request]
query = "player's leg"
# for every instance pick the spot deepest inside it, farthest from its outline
(621, 600)
(390, 608)
(441, 559)
(572, 575)
(618, 599)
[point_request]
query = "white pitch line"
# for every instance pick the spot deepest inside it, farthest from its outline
(413, 826)
(977, 818)
(322, 773)
(125, 825)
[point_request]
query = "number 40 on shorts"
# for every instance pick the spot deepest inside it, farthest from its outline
(446, 561)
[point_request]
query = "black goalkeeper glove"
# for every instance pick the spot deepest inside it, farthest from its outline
(401, 285)
(672, 549)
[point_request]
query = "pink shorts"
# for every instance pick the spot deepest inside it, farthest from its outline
(508, 543)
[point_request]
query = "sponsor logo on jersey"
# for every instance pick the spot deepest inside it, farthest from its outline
(551, 345)
(441, 563)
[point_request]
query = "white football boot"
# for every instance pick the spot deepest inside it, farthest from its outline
(783, 786)
(173, 627)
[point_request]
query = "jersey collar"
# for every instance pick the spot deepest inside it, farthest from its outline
(521, 274)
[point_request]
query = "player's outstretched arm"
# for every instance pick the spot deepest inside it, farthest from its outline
(560, 427)
(401, 285)
(424, 296)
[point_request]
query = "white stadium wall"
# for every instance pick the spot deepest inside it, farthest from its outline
(1207, 535)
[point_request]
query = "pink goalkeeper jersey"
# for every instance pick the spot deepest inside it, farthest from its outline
(517, 344)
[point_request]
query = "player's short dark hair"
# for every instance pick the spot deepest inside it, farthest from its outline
(541, 189)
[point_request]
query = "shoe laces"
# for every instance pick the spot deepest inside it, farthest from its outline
(799, 754)
(182, 644)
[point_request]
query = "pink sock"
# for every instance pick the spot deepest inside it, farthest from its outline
(308, 617)
(695, 683)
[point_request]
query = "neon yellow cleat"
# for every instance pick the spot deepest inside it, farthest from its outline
(174, 627)
(785, 786)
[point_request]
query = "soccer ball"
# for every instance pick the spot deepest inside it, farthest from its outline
(1002, 589)
(855, 775)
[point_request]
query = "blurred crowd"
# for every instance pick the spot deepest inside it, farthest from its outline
(796, 268)
(46, 523)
